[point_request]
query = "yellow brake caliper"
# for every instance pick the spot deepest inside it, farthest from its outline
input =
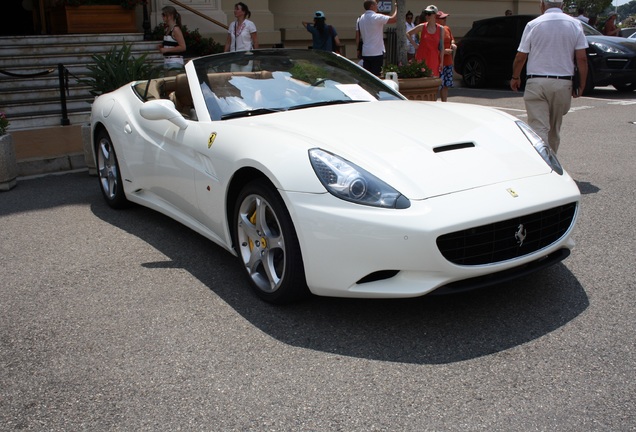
(262, 240)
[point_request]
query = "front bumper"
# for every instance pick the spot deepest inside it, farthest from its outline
(356, 251)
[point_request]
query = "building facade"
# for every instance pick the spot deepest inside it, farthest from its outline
(278, 21)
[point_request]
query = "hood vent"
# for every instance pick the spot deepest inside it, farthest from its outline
(451, 147)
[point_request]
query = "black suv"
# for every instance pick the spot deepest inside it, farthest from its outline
(485, 54)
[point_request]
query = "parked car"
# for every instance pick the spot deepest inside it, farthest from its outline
(485, 54)
(310, 170)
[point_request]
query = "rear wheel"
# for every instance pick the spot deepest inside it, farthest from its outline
(474, 72)
(108, 171)
(267, 245)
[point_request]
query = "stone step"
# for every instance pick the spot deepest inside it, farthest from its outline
(21, 64)
(48, 120)
(71, 39)
(47, 106)
(34, 101)
(27, 95)
(76, 48)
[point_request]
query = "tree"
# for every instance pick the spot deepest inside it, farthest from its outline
(401, 32)
(627, 13)
(592, 7)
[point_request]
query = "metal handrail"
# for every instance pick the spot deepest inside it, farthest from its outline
(63, 79)
(202, 15)
(63, 74)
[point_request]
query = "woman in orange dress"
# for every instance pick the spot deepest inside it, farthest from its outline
(430, 48)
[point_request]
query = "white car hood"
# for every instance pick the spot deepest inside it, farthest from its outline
(397, 142)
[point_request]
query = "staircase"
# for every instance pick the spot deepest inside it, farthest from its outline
(34, 102)
(30, 95)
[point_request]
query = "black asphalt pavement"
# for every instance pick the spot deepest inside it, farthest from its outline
(125, 320)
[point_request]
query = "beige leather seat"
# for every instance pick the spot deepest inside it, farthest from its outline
(181, 97)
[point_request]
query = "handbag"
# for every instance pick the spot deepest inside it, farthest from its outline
(576, 80)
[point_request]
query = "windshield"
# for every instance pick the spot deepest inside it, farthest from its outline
(590, 31)
(264, 81)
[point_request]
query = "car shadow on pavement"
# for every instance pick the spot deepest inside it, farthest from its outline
(425, 330)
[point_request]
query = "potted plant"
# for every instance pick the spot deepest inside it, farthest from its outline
(415, 80)
(116, 68)
(8, 164)
(94, 16)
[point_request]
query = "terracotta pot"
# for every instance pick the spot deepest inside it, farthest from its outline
(8, 163)
(422, 89)
(93, 19)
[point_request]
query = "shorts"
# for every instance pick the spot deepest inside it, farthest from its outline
(171, 63)
(447, 76)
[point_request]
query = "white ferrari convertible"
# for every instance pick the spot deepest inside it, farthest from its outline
(323, 179)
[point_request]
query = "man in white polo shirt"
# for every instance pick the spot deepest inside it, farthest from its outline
(370, 30)
(550, 44)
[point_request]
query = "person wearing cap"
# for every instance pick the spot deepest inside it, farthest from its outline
(431, 46)
(610, 29)
(550, 44)
(324, 37)
(370, 32)
(447, 62)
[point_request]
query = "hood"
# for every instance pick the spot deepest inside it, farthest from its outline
(422, 149)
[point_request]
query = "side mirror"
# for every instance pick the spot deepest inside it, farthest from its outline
(162, 109)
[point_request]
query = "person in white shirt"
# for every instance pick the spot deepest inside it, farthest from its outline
(241, 35)
(370, 31)
(550, 44)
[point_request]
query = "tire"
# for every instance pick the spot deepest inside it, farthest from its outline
(267, 245)
(625, 87)
(474, 72)
(108, 172)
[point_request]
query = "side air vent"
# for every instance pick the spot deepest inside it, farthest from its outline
(452, 147)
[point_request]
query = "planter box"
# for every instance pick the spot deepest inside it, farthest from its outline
(420, 89)
(93, 19)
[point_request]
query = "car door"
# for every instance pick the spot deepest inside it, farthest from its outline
(165, 162)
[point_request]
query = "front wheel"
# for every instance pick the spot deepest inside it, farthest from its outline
(267, 245)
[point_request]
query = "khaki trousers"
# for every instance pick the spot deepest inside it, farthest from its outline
(547, 101)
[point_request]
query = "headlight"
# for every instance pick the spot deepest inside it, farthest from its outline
(541, 147)
(607, 48)
(349, 182)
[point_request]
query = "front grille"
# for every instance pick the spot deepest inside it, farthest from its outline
(507, 239)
